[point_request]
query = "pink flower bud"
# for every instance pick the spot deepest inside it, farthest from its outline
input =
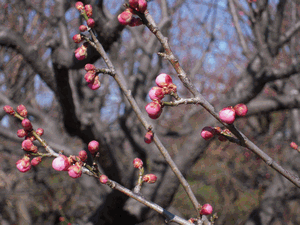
(79, 6)
(90, 22)
(75, 170)
(83, 155)
(82, 28)
(153, 109)
(89, 77)
(163, 80)
(27, 145)
(39, 131)
(88, 10)
(89, 67)
(77, 38)
(21, 133)
(149, 137)
(27, 124)
(207, 133)
(156, 93)
(81, 53)
(23, 165)
(95, 84)
(241, 109)
(133, 3)
(9, 110)
(137, 163)
(150, 178)
(34, 149)
(21, 109)
(93, 147)
(227, 115)
(142, 6)
(294, 145)
(36, 160)
(125, 17)
(103, 179)
(61, 163)
(206, 209)
(135, 21)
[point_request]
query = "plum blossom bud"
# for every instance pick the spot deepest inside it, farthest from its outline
(134, 3)
(95, 84)
(88, 10)
(142, 6)
(83, 155)
(82, 28)
(81, 53)
(79, 6)
(75, 170)
(125, 17)
(77, 38)
(149, 137)
(27, 145)
(61, 163)
(103, 179)
(89, 67)
(207, 133)
(21, 109)
(22, 133)
(206, 209)
(135, 21)
(39, 131)
(93, 147)
(294, 145)
(227, 115)
(89, 77)
(36, 160)
(156, 93)
(153, 109)
(150, 178)
(90, 22)
(137, 163)
(27, 124)
(163, 80)
(241, 109)
(9, 110)
(23, 165)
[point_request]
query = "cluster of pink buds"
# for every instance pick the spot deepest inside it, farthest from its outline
(164, 87)
(27, 133)
(127, 17)
(206, 209)
(92, 77)
(228, 114)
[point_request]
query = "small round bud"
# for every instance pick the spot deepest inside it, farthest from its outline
(135, 21)
(88, 10)
(125, 17)
(77, 38)
(103, 179)
(294, 145)
(241, 109)
(149, 137)
(36, 160)
(206, 209)
(39, 131)
(142, 6)
(89, 67)
(79, 6)
(95, 84)
(81, 53)
(23, 165)
(27, 145)
(137, 163)
(75, 170)
(21, 109)
(89, 77)
(207, 133)
(156, 93)
(90, 22)
(61, 163)
(163, 80)
(93, 147)
(134, 3)
(83, 155)
(82, 28)
(9, 110)
(153, 109)
(227, 115)
(22, 133)
(150, 178)
(27, 124)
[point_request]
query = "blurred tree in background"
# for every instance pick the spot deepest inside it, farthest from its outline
(233, 51)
